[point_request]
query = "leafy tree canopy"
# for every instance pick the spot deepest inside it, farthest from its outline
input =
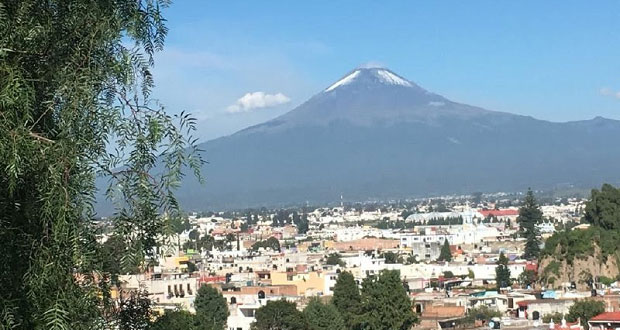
(346, 297)
(211, 308)
(603, 208)
(175, 320)
(385, 303)
(322, 316)
(334, 259)
(75, 80)
(279, 315)
(585, 310)
(271, 243)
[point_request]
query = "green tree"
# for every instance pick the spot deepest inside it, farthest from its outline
(603, 208)
(346, 298)
(585, 310)
(529, 216)
(322, 316)
(302, 223)
(527, 278)
(391, 258)
(279, 315)
(175, 320)
(445, 254)
(75, 81)
(271, 243)
(385, 303)
(448, 274)
(334, 259)
(502, 272)
(211, 308)
(135, 312)
(483, 313)
(555, 317)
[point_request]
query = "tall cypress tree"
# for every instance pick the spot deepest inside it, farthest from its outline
(529, 216)
(347, 298)
(502, 272)
(445, 254)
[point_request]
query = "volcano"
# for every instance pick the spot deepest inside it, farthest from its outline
(374, 134)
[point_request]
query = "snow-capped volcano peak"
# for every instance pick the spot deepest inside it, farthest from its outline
(344, 81)
(370, 76)
(389, 78)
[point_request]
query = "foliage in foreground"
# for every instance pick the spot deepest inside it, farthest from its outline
(74, 105)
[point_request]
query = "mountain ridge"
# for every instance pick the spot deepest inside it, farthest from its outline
(378, 135)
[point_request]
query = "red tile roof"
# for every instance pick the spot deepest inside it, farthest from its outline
(607, 316)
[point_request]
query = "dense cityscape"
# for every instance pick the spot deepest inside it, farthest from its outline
(255, 165)
(462, 261)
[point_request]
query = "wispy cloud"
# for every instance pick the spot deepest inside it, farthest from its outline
(372, 65)
(257, 100)
(605, 91)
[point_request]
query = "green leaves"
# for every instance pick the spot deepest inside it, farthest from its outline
(585, 310)
(529, 216)
(445, 254)
(211, 308)
(74, 105)
(322, 316)
(346, 298)
(280, 315)
(385, 303)
(502, 272)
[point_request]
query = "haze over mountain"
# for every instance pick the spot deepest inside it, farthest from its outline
(375, 134)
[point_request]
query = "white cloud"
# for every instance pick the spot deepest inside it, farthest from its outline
(605, 91)
(372, 65)
(257, 100)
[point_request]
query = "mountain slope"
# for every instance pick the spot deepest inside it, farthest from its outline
(374, 134)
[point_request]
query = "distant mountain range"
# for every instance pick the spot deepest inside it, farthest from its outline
(376, 135)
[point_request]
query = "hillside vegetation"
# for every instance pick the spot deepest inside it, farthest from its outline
(581, 255)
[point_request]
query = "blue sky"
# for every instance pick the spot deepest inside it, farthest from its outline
(553, 60)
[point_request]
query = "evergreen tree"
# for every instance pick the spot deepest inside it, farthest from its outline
(175, 320)
(211, 308)
(279, 315)
(445, 254)
(346, 298)
(502, 272)
(385, 303)
(75, 78)
(529, 216)
(322, 316)
(584, 310)
(303, 224)
(603, 208)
